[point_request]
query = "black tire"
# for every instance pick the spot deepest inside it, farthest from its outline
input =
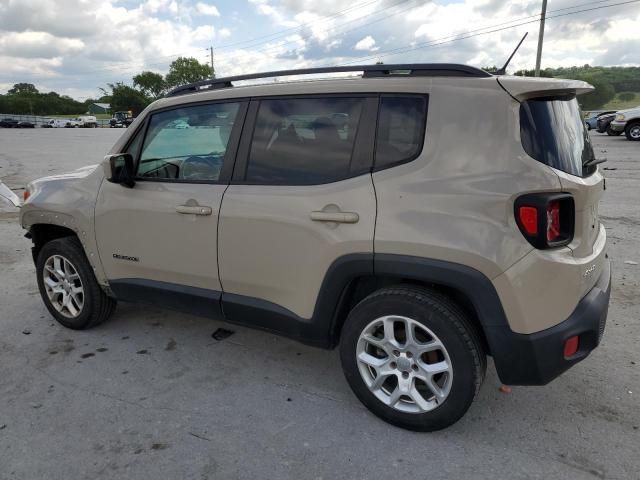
(449, 323)
(97, 306)
(632, 131)
(612, 133)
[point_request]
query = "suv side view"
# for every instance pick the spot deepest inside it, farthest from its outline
(352, 213)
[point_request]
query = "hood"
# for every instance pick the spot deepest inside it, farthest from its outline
(629, 110)
(522, 88)
(79, 173)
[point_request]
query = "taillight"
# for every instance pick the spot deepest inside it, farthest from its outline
(25, 195)
(546, 219)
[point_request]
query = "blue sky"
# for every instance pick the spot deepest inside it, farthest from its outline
(77, 46)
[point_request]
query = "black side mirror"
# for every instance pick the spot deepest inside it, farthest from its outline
(122, 169)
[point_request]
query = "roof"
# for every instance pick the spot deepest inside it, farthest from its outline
(106, 106)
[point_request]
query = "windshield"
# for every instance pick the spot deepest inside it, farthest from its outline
(552, 132)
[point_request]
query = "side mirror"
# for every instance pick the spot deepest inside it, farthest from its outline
(122, 169)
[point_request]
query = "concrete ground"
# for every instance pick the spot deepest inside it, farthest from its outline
(151, 395)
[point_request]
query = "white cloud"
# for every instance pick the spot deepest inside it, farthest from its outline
(224, 33)
(367, 43)
(207, 9)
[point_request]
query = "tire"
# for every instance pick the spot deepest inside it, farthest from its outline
(93, 306)
(432, 317)
(612, 133)
(632, 131)
(586, 124)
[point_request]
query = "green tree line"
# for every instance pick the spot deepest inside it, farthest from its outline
(147, 86)
(607, 81)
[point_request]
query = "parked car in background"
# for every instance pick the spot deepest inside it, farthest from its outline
(46, 123)
(604, 124)
(591, 118)
(121, 119)
(26, 124)
(58, 123)
(8, 123)
(627, 121)
(85, 121)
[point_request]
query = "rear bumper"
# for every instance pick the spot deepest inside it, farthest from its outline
(538, 358)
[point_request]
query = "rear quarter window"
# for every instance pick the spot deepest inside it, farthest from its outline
(552, 132)
(401, 129)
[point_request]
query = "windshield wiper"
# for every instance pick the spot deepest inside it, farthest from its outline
(594, 161)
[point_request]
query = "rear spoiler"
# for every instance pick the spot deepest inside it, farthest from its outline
(522, 88)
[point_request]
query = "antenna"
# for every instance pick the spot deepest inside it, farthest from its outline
(503, 70)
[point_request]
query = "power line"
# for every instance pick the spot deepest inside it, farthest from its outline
(441, 41)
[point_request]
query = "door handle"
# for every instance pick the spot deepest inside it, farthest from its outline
(194, 209)
(337, 217)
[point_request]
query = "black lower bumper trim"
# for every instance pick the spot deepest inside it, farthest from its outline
(538, 358)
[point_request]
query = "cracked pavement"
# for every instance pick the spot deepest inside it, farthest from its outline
(150, 394)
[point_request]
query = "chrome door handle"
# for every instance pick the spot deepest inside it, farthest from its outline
(194, 209)
(337, 217)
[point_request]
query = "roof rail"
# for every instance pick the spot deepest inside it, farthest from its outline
(408, 69)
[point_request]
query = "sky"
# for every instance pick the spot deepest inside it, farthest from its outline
(75, 47)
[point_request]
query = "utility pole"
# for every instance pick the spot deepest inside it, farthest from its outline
(541, 37)
(213, 72)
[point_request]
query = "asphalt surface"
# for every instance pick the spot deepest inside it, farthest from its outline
(151, 395)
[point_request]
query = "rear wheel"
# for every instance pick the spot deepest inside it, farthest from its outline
(68, 286)
(632, 131)
(412, 357)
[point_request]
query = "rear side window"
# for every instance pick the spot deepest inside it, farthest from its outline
(552, 132)
(303, 141)
(401, 128)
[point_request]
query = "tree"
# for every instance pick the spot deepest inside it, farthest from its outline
(124, 97)
(23, 89)
(186, 70)
(602, 94)
(151, 84)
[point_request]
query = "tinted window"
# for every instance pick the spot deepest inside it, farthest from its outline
(303, 141)
(401, 126)
(188, 143)
(552, 132)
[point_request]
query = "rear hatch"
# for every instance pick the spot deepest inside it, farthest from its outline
(552, 132)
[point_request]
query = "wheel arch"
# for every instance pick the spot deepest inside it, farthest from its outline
(42, 233)
(469, 288)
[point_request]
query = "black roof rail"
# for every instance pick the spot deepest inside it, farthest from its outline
(408, 69)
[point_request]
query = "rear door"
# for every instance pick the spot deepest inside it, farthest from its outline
(301, 197)
(161, 235)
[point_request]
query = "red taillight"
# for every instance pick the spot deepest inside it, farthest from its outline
(25, 195)
(529, 219)
(571, 346)
(547, 220)
(553, 221)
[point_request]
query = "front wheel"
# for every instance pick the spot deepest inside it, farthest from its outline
(412, 357)
(632, 131)
(68, 286)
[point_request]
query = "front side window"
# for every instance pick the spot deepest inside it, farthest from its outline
(187, 144)
(303, 141)
(401, 128)
(552, 132)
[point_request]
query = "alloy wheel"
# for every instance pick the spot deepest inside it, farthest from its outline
(63, 286)
(404, 364)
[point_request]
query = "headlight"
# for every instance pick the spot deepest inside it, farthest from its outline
(619, 117)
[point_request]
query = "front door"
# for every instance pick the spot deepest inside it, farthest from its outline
(160, 237)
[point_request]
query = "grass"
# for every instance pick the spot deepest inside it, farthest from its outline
(617, 104)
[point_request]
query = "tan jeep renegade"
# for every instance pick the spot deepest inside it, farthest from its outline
(421, 217)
